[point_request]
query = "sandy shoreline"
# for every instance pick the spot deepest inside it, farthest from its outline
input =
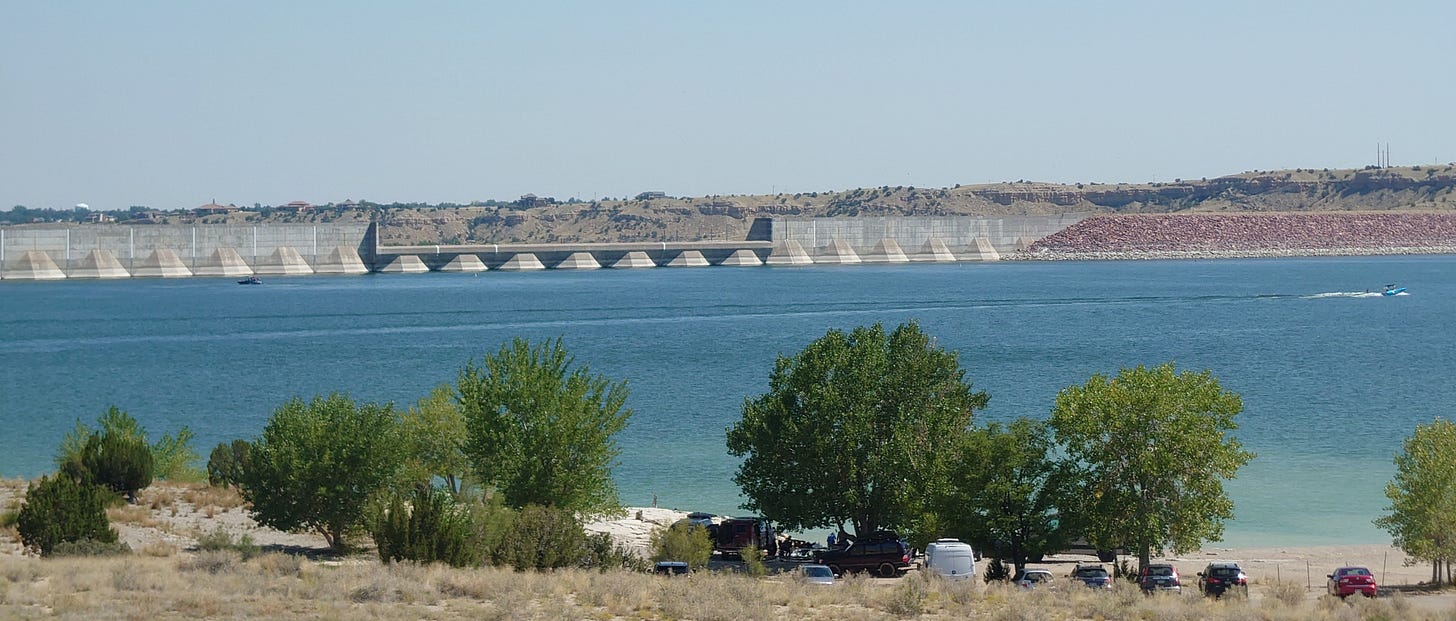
(1299, 564)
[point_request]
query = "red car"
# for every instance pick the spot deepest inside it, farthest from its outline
(1351, 580)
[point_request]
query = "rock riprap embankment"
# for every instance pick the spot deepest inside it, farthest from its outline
(1212, 235)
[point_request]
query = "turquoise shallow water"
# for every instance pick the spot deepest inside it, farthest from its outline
(1332, 380)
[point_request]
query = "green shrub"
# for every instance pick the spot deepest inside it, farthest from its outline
(220, 539)
(753, 561)
(432, 528)
(996, 571)
(604, 554)
(121, 463)
(72, 454)
(68, 454)
(62, 509)
(542, 538)
(175, 459)
(683, 541)
(1123, 569)
(227, 462)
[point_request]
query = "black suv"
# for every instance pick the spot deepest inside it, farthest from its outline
(1217, 578)
(885, 554)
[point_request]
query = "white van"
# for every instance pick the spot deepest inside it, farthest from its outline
(950, 558)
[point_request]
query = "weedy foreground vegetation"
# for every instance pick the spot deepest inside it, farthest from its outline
(220, 583)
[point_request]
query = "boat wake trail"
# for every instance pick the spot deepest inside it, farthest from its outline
(1346, 294)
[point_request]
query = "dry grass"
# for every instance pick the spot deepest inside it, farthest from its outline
(164, 579)
(221, 584)
(139, 514)
(204, 497)
(159, 549)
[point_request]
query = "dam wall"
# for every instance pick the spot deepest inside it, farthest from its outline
(961, 235)
(53, 252)
(122, 251)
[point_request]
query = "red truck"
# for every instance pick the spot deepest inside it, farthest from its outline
(733, 534)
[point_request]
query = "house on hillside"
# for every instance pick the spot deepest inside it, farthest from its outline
(531, 200)
(212, 209)
(647, 196)
(296, 206)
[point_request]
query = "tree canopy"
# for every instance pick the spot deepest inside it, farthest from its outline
(434, 429)
(1421, 517)
(855, 429)
(540, 430)
(319, 462)
(1005, 492)
(1153, 447)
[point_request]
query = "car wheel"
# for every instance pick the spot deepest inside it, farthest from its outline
(887, 570)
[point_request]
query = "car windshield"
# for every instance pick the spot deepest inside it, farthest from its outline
(818, 572)
(1036, 577)
(1160, 571)
(1224, 572)
(1355, 571)
(1091, 572)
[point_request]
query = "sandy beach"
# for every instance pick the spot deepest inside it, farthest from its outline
(1298, 564)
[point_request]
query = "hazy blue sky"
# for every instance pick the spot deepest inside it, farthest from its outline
(173, 104)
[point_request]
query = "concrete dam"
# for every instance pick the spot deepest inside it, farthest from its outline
(104, 251)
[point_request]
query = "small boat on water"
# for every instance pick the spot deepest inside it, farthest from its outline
(1392, 290)
(253, 280)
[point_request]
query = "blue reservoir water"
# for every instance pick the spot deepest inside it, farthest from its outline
(1332, 379)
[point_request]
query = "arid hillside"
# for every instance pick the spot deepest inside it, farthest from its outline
(653, 217)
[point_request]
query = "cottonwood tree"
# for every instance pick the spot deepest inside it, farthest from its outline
(1422, 513)
(1152, 448)
(1005, 492)
(434, 430)
(319, 462)
(540, 430)
(855, 429)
